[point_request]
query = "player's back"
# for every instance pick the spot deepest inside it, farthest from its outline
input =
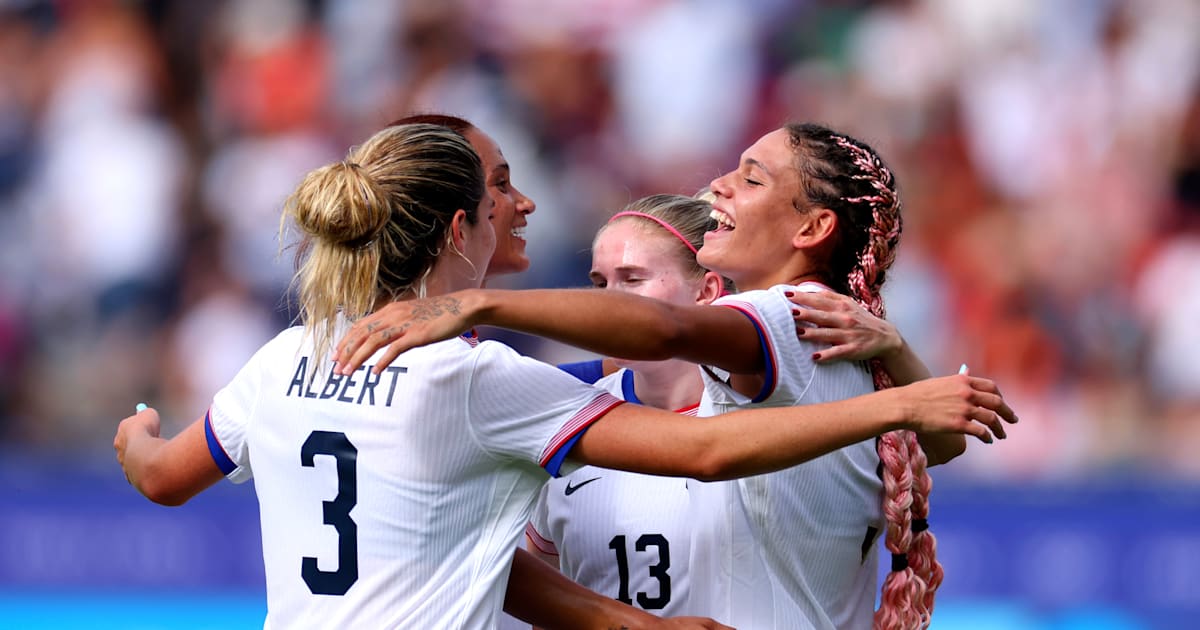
(383, 502)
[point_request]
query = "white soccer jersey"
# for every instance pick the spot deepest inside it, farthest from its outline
(811, 528)
(395, 501)
(621, 534)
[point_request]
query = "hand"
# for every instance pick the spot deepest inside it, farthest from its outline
(955, 404)
(691, 623)
(400, 326)
(140, 424)
(852, 332)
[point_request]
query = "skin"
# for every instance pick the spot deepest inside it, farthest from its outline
(635, 256)
(510, 207)
(759, 198)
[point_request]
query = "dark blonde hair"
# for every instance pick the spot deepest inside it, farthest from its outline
(688, 216)
(375, 222)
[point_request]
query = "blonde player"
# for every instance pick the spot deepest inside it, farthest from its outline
(627, 535)
(395, 498)
(807, 209)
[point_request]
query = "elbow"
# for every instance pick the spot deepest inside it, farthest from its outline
(712, 464)
(158, 488)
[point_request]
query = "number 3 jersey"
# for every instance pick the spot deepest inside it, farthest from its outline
(621, 534)
(395, 501)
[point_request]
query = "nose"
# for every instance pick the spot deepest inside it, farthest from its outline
(719, 186)
(525, 205)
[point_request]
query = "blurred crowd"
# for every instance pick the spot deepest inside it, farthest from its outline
(1048, 153)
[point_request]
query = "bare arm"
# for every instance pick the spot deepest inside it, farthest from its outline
(610, 323)
(168, 472)
(755, 441)
(855, 334)
(539, 594)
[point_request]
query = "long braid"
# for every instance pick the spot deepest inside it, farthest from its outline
(908, 590)
(848, 177)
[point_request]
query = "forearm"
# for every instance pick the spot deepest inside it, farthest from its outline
(735, 444)
(623, 325)
(905, 367)
(541, 595)
(169, 472)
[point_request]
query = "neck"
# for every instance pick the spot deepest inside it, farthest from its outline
(782, 277)
(668, 385)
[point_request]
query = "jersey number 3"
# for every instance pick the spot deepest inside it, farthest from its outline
(337, 513)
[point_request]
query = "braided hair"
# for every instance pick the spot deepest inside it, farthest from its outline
(848, 177)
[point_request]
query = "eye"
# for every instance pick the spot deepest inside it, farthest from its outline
(752, 182)
(599, 283)
(502, 185)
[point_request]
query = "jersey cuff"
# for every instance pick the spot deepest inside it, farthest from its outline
(562, 442)
(540, 542)
(215, 449)
(771, 371)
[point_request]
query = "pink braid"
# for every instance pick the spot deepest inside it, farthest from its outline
(908, 593)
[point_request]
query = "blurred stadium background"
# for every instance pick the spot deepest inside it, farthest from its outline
(1048, 154)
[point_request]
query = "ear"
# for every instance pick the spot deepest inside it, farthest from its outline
(816, 229)
(457, 226)
(712, 288)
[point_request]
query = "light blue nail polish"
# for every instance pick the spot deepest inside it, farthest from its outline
(140, 407)
(963, 369)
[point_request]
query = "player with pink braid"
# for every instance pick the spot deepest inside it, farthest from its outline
(809, 218)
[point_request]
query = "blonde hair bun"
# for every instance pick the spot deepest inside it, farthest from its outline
(341, 204)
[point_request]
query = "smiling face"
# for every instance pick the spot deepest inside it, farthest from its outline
(754, 206)
(636, 256)
(510, 209)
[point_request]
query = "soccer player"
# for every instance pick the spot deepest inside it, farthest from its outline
(396, 498)
(806, 209)
(627, 535)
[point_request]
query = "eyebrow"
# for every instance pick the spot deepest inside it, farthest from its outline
(756, 163)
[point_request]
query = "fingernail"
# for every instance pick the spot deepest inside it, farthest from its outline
(788, 294)
(800, 331)
(816, 356)
(140, 407)
(963, 369)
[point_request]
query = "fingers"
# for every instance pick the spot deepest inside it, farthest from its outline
(821, 300)
(987, 394)
(394, 350)
(989, 419)
(823, 319)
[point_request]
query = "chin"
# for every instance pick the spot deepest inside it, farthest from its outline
(505, 265)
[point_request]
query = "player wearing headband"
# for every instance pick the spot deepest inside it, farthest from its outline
(627, 535)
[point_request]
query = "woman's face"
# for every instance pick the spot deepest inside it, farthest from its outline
(755, 215)
(636, 256)
(509, 211)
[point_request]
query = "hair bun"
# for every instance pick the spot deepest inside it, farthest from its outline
(341, 204)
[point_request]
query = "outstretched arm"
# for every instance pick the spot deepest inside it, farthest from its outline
(168, 472)
(611, 323)
(539, 594)
(854, 334)
(755, 441)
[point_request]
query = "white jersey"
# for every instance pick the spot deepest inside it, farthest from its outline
(794, 548)
(395, 501)
(621, 534)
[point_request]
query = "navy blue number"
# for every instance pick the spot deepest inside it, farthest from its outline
(659, 571)
(337, 513)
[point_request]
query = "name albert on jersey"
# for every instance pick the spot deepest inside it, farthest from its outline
(345, 388)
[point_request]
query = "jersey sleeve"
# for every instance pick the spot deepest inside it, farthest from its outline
(522, 408)
(788, 358)
(227, 421)
(538, 528)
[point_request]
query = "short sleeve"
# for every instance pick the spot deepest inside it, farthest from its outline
(524, 409)
(788, 359)
(225, 426)
(586, 371)
(538, 528)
